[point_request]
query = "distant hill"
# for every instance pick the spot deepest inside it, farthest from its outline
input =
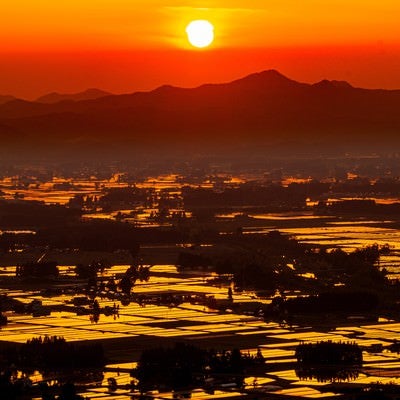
(88, 94)
(262, 110)
(6, 99)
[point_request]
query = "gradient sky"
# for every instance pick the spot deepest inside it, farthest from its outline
(128, 45)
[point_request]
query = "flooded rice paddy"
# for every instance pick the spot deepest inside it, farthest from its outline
(198, 323)
(351, 235)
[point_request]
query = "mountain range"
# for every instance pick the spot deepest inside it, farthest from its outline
(6, 98)
(262, 109)
(88, 94)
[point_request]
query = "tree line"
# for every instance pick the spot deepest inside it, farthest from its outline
(53, 352)
(184, 366)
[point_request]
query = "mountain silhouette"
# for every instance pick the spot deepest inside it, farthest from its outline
(262, 109)
(88, 94)
(6, 98)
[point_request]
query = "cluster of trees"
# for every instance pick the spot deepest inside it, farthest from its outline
(379, 391)
(273, 197)
(37, 270)
(53, 352)
(259, 262)
(125, 284)
(190, 260)
(10, 241)
(279, 262)
(131, 275)
(35, 214)
(67, 392)
(388, 186)
(184, 365)
(163, 201)
(329, 353)
(89, 235)
(334, 302)
(96, 285)
(104, 235)
(358, 268)
(6, 386)
(358, 207)
(8, 303)
(127, 196)
(328, 361)
(83, 203)
(90, 271)
(84, 235)
(14, 389)
(132, 196)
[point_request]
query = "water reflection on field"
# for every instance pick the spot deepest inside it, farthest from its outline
(195, 322)
(351, 235)
(330, 232)
(133, 319)
(61, 190)
(305, 225)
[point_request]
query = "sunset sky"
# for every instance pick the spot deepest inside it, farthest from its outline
(129, 45)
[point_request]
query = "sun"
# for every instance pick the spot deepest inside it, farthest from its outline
(200, 33)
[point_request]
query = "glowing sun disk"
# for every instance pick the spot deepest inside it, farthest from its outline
(200, 33)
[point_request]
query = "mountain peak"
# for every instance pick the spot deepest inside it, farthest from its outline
(272, 74)
(269, 74)
(95, 91)
(88, 94)
(325, 83)
(267, 78)
(165, 88)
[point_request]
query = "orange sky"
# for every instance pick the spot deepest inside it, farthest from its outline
(125, 45)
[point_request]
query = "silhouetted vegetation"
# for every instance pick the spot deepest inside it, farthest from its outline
(379, 391)
(117, 198)
(328, 361)
(91, 235)
(355, 269)
(188, 260)
(90, 271)
(8, 390)
(185, 365)
(68, 392)
(131, 275)
(313, 282)
(336, 302)
(53, 353)
(273, 197)
(35, 214)
(37, 270)
(275, 261)
(357, 207)
(329, 353)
